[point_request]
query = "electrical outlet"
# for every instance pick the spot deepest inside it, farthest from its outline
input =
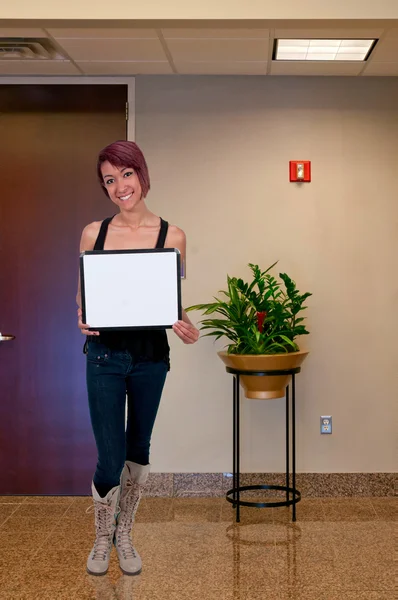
(326, 424)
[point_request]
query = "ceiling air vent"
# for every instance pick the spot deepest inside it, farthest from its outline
(29, 49)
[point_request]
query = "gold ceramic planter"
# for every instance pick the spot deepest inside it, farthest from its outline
(264, 387)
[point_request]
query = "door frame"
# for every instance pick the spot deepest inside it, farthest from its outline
(54, 80)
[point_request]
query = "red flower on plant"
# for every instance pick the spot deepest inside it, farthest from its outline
(260, 320)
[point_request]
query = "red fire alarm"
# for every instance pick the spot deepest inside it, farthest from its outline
(300, 170)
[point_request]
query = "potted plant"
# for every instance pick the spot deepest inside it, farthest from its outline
(261, 321)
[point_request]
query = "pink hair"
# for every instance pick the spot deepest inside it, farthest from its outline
(125, 154)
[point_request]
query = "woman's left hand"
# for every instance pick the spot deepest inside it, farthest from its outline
(188, 333)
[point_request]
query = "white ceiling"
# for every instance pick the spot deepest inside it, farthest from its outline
(200, 51)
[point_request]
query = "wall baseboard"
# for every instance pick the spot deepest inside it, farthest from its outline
(311, 485)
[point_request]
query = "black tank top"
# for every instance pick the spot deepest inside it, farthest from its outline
(149, 344)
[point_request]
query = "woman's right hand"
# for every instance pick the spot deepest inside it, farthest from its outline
(83, 326)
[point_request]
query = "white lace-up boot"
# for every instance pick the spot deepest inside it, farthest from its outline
(106, 513)
(133, 481)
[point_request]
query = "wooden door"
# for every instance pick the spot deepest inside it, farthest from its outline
(50, 136)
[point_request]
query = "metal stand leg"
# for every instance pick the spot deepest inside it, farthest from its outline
(238, 447)
(294, 443)
(234, 445)
(292, 496)
(287, 443)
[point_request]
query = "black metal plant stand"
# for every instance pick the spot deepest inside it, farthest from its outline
(292, 494)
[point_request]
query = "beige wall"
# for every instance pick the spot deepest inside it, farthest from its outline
(218, 151)
(205, 9)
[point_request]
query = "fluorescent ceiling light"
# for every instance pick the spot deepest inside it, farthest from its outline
(330, 50)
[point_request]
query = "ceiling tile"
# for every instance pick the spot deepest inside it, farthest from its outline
(125, 68)
(218, 50)
(22, 32)
(329, 33)
(392, 34)
(315, 68)
(113, 50)
(222, 68)
(37, 67)
(104, 33)
(386, 51)
(215, 33)
(381, 68)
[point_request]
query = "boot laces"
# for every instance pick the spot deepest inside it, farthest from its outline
(131, 498)
(125, 545)
(104, 519)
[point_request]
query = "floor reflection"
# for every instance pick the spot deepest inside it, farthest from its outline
(339, 549)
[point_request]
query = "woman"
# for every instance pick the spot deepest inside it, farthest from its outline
(120, 363)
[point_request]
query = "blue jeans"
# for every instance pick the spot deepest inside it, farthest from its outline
(111, 375)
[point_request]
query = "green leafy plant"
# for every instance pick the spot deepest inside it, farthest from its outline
(259, 317)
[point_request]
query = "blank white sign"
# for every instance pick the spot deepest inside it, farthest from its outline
(131, 288)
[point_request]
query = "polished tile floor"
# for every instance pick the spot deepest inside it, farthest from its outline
(339, 549)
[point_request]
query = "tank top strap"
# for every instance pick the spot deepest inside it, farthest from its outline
(164, 226)
(100, 241)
